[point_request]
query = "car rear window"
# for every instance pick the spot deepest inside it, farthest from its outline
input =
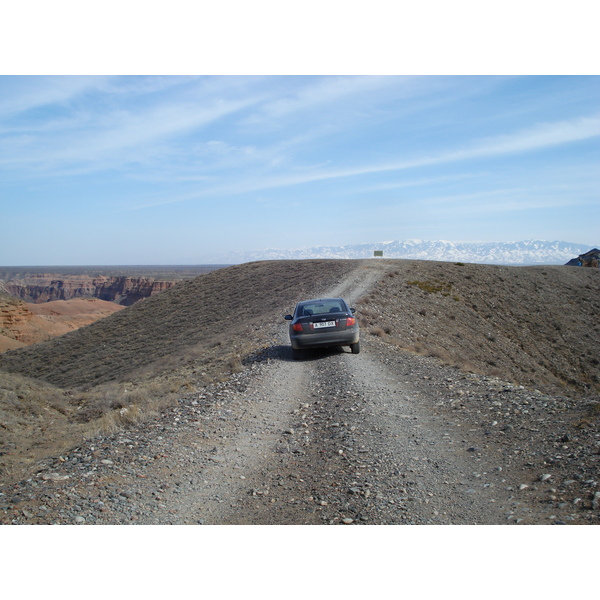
(321, 308)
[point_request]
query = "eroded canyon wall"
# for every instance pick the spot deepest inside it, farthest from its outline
(121, 290)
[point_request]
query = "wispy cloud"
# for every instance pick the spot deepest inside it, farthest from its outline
(543, 135)
(499, 201)
(22, 94)
(322, 92)
(409, 183)
(114, 139)
(540, 137)
(404, 155)
(136, 136)
(484, 205)
(537, 138)
(129, 130)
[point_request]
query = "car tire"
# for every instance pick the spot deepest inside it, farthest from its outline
(355, 348)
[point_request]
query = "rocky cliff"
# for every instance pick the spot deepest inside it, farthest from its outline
(45, 287)
(14, 316)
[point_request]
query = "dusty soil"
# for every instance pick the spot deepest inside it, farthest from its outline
(389, 436)
(40, 322)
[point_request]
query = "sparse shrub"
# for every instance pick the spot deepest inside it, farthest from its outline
(440, 354)
(432, 287)
(235, 364)
(114, 420)
(129, 415)
(377, 331)
(417, 348)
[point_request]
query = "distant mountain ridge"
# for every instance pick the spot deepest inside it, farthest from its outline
(529, 252)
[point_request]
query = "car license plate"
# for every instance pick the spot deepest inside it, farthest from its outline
(324, 324)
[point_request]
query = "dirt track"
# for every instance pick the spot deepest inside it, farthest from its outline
(374, 438)
(338, 438)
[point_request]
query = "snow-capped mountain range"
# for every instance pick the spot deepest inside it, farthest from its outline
(530, 252)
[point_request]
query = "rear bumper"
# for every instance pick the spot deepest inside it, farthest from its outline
(300, 341)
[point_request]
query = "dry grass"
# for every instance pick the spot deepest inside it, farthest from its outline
(35, 421)
(591, 416)
(38, 419)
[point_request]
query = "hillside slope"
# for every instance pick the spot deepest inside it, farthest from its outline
(209, 318)
(536, 326)
(13, 313)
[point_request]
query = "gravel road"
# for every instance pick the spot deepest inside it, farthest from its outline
(383, 437)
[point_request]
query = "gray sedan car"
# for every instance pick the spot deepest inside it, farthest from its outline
(323, 323)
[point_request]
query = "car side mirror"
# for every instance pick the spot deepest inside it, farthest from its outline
(352, 310)
(288, 317)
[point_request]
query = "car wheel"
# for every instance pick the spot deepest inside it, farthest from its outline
(355, 348)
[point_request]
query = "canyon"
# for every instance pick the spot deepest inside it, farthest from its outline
(46, 287)
(35, 307)
(39, 303)
(23, 323)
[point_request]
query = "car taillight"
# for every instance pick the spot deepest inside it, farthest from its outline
(350, 321)
(297, 326)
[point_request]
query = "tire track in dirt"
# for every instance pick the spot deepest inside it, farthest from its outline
(241, 461)
(362, 446)
(359, 281)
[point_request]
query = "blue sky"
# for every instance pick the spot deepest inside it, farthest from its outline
(176, 169)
